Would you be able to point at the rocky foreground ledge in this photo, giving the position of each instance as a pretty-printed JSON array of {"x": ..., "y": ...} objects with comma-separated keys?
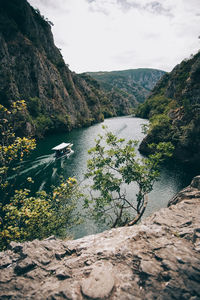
[{"x": 158, "y": 259}]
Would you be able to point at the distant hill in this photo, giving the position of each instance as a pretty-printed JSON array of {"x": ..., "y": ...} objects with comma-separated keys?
[
  {"x": 135, "y": 84},
  {"x": 173, "y": 108}
]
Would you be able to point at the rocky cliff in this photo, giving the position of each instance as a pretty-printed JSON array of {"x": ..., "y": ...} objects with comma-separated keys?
[
  {"x": 32, "y": 68},
  {"x": 158, "y": 259},
  {"x": 174, "y": 111},
  {"x": 133, "y": 84}
]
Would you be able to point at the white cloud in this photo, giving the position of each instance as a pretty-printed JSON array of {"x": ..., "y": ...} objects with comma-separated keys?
[{"x": 122, "y": 34}]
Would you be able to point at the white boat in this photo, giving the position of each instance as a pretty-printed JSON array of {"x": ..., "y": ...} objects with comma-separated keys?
[{"x": 63, "y": 149}]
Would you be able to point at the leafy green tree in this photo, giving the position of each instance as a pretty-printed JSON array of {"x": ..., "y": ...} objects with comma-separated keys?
[
  {"x": 12, "y": 149},
  {"x": 112, "y": 167},
  {"x": 22, "y": 215},
  {"x": 27, "y": 217}
]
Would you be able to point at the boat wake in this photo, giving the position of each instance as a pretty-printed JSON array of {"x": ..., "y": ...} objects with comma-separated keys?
[
  {"x": 123, "y": 127},
  {"x": 41, "y": 163}
]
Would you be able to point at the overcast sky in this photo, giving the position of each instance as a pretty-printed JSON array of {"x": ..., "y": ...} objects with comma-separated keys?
[{"x": 106, "y": 35}]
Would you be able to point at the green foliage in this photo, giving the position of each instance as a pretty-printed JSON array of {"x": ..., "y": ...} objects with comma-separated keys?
[
  {"x": 43, "y": 123},
  {"x": 173, "y": 109},
  {"x": 187, "y": 106},
  {"x": 155, "y": 105},
  {"x": 22, "y": 215},
  {"x": 61, "y": 122},
  {"x": 160, "y": 127},
  {"x": 113, "y": 166},
  {"x": 34, "y": 106},
  {"x": 12, "y": 149},
  {"x": 27, "y": 217}
]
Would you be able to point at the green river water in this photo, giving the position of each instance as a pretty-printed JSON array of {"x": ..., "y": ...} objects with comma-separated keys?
[{"x": 46, "y": 170}]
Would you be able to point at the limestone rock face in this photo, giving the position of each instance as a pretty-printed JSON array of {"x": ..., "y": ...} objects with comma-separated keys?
[
  {"x": 158, "y": 259},
  {"x": 32, "y": 68},
  {"x": 191, "y": 191}
]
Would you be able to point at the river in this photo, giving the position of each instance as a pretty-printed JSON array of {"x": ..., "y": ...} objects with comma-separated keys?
[{"x": 45, "y": 170}]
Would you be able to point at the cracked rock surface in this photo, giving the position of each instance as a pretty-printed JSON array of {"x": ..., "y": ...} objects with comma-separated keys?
[{"x": 158, "y": 259}]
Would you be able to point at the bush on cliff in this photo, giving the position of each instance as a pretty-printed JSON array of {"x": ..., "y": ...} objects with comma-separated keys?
[
  {"x": 176, "y": 99},
  {"x": 113, "y": 166}
]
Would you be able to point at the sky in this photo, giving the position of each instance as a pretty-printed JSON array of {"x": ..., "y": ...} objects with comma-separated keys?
[{"x": 107, "y": 35}]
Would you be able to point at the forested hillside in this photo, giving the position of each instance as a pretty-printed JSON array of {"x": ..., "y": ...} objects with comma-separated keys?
[
  {"x": 133, "y": 84},
  {"x": 174, "y": 111}
]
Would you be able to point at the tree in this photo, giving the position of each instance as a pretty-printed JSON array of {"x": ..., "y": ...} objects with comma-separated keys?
[
  {"x": 24, "y": 216},
  {"x": 114, "y": 165},
  {"x": 29, "y": 217},
  {"x": 12, "y": 149}
]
